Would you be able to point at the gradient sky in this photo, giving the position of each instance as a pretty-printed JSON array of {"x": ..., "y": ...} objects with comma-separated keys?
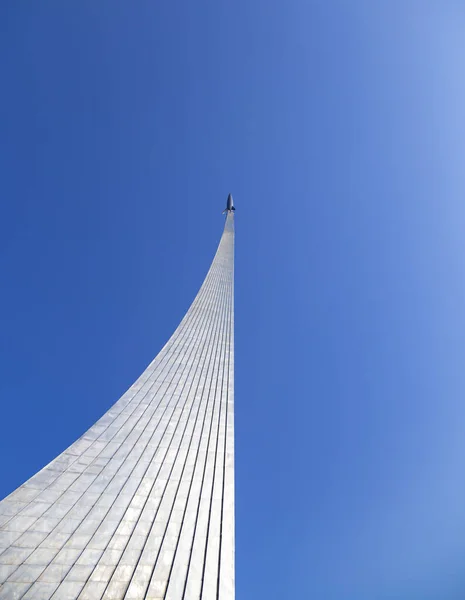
[{"x": 339, "y": 127}]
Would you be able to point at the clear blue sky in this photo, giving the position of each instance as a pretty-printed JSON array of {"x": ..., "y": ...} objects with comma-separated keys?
[{"x": 339, "y": 127}]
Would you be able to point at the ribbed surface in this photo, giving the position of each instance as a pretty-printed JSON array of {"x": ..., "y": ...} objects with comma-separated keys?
[{"x": 142, "y": 505}]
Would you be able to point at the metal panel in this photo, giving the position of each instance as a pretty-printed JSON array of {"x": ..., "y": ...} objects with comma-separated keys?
[{"x": 142, "y": 505}]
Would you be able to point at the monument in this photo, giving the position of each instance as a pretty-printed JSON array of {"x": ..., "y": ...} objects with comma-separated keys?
[{"x": 142, "y": 505}]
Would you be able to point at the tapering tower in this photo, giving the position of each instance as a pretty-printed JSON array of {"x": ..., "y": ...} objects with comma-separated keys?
[{"x": 142, "y": 505}]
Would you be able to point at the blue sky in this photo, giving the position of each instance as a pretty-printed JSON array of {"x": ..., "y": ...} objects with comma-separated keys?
[{"x": 339, "y": 127}]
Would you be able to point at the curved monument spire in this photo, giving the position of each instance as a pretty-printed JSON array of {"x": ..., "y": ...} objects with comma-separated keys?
[{"x": 142, "y": 505}]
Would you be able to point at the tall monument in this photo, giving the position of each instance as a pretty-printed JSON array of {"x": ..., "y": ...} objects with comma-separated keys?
[{"x": 142, "y": 505}]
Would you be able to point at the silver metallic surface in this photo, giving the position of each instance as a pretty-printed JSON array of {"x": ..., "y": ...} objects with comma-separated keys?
[
  {"x": 229, "y": 204},
  {"x": 142, "y": 505}
]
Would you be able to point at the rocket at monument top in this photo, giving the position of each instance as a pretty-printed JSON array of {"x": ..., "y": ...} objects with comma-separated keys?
[{"x": 229, "y": 204}]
